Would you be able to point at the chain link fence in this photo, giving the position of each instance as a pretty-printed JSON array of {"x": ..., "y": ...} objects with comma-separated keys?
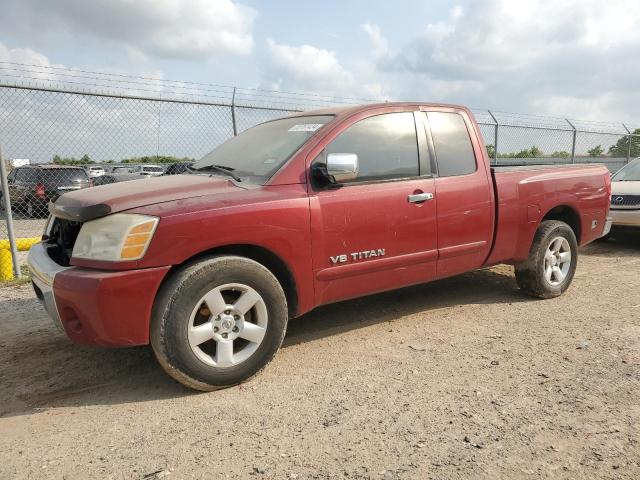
[{"x": 55, "y": 140}]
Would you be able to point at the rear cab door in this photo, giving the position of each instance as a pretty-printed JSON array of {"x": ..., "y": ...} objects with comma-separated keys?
[
  {"x": 377, "y": 232},
  {"x": 463, "y": 189}
]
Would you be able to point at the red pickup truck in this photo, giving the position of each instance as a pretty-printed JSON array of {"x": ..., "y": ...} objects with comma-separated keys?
[{"x": 298, "y": 212}]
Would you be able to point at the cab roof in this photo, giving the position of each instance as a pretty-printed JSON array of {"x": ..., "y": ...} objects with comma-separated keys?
[{"x": 345, "y": 111}]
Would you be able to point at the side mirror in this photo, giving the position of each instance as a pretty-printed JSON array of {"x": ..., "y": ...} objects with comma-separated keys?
[{"x": 342, "y": 166}]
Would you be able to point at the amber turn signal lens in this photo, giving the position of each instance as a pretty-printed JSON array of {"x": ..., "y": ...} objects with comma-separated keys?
[
  {"x": 132, "y": 252},
  {"x": 142, "y": 228},
  {"x": 137, "y": 240}
]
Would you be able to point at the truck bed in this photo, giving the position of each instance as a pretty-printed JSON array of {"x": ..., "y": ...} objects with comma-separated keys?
[
  {"x": 541, "y": 166},
  {"x": 526, "y": 194}
]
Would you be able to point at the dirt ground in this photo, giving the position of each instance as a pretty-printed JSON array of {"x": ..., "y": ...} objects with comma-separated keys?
[{"x": 462, "y": 378}]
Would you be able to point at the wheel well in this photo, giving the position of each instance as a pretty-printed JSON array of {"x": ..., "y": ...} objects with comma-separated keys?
[
  {"x": 567, "y": 215},
  {"x": 267, "y": 258}
]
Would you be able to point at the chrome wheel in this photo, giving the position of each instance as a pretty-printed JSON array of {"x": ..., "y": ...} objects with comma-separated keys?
[
  {"x": 227, "y": 325},
  {"x": 557, "y": 261}
]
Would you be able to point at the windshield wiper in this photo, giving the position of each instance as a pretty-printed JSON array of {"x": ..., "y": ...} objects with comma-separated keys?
[{"x": 217, "y": 168}]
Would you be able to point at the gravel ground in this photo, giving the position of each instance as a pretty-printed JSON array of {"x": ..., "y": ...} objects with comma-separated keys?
[{"x": 461, "y": 378}]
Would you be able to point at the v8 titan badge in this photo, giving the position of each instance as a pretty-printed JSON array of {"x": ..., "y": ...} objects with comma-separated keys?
[{"x": 355, "y": 256}]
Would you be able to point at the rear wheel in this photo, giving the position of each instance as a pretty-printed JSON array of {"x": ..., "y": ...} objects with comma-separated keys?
[
  {"x": 218, "y": 322},
  {"x": 552, "y": 261}
]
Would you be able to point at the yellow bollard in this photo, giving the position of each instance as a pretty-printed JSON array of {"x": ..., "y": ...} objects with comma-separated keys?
[{"x": 6, "y": 264}]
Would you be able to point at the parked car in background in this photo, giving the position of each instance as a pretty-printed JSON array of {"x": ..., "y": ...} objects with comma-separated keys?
[
  {"x": 95, "y": 171},
  {"x": 625, "y": 197},
  {"x": 108, "y": 178},
  {"x": 148, "y": 170},
  {"x": 299, "y": 212},
  {"x": 32, "y": 187},
  {"x": 19, "y": 162},
  {"x": 177, "y": 168},
  {"x": 120, "y": 169}
]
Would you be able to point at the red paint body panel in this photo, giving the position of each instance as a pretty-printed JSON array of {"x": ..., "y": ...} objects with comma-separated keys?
[
  {"x": 474, "y": 220},
  {"x": 107, "y": 308}
]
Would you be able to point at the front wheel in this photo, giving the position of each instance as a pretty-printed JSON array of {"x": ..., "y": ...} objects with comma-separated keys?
[
  {"x": 218, "y": 322},
  {"x": 552, "y": 261}
]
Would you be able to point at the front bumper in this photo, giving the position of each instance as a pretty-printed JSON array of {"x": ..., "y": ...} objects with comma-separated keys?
[
  {"x": 95, "y": 307},
  {"x": 625, "y": 217},
  {"x": 607, "y": 227},
  {"x": 43, "y": 272}
]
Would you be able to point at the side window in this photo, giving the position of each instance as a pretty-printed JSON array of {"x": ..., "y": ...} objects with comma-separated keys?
[
  {"x": 12, "y": 175},
  {"x": 386, "y": 146},
  {"x": 25, "y": 175},
  {"x": 454, "y": 152}
]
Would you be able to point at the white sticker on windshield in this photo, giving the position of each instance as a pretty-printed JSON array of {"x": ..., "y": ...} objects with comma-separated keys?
[{"x": 306, "y": 127}]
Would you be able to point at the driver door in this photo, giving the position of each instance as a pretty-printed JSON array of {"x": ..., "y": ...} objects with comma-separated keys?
[{"x": 377, "y": 231}]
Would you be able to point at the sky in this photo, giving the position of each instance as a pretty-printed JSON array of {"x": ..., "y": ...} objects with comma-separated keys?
[{"x": 576, "y": 58}]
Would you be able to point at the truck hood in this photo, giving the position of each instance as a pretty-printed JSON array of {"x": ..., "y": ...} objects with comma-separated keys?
[{"x": 89, "y": 203}]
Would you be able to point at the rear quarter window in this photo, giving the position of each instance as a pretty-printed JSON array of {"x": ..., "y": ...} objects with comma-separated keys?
[
  {"x": 64, "y": 175},
  {"x": 452, "y": 144}
]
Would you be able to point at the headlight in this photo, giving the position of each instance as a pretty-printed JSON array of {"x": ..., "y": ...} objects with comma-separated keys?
[{"x": 117, "y": 237}]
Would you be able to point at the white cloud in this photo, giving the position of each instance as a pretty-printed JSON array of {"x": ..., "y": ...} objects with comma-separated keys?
[
  {"x": 379, "y": 43},
  {"x": 24, "y": 56},
  {"x": 569, "y": 58},
  {"x": 164, "y": 28},
  {"x": 307, "y": 68}
]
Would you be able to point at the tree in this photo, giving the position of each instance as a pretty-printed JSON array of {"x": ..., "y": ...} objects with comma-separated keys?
[
  {"x": 535, "y": 152},
  {"x": 621, "y": 148},
  {"x": 156, "y": 159},
  {"x": 561, "y": 154},
  {"x": 596, "y": 151},
  {"x": 491, "y": 151}
]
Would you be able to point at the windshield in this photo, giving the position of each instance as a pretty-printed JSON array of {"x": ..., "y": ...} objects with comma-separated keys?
[
  {"x": 260, "y": 151},
  {"x": 628, "y": 173}
]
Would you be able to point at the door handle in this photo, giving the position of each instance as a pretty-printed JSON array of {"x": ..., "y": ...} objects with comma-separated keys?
[{"x": 420, "y": 197}]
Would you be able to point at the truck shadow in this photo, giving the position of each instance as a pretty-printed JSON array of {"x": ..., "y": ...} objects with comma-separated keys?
[
  {"x": 623, "y": 244},
  {"x": 41, "y": 369},
  {"x": 479, "y": 287}
]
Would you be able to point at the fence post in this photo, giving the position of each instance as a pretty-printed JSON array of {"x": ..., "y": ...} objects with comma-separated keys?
[
  {"x": 7, "y": 210},
  {"x": 233, "y": 113},
  {"x": 573, "y": 143},
  {"x": 495, "y": 138},
  {"x": 628, "y": 146}
]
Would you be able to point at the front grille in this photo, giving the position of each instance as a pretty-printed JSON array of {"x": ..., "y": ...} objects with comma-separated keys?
[
  {"x": 625, "y": 200},
  {"x": 61, "y": 239}
]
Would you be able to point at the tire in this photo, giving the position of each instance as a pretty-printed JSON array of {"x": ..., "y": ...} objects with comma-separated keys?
[
  {"x": 203, "y": 298},
  {"x": 29, "y": 209},
  {"x": 533, "y": 276}
]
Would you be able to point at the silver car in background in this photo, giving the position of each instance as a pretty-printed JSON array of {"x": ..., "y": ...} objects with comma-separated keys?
[
  {"x": 625, "y": 197},
  {"x": 148, "y": 170}
]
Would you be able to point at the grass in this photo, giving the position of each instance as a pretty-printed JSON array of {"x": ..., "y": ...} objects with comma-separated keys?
[{"x": 26, "y": 278}]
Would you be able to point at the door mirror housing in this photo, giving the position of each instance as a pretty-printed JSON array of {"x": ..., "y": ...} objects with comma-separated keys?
[{"x": 342, "y": 166}]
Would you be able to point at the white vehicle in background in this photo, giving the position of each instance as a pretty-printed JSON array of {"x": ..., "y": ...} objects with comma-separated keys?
[
  {"x": 19, "y": 162},
  {"x": 95, "y": 171},
  {"x": 625, "y": 197},
  {"x": 148, "y": 170}
]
